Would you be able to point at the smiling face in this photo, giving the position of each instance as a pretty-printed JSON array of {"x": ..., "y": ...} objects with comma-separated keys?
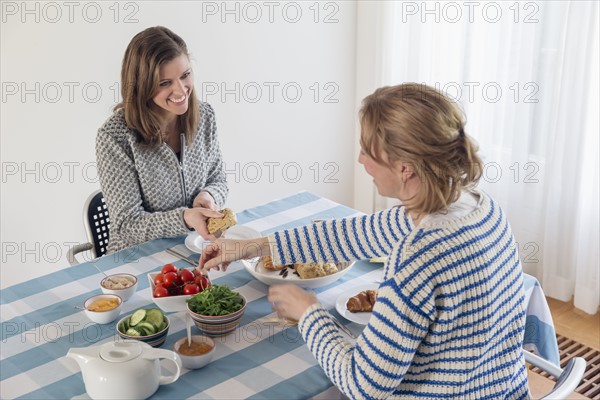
[{"x": 175, "y": 86}]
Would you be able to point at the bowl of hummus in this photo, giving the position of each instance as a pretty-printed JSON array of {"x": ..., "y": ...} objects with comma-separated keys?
[{"x": 123, "y": 285}]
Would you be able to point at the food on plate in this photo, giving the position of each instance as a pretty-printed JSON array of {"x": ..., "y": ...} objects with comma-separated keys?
[
  {"x": 315, "y": 270},
  {"x": 117, "y": 282},
  {"x": 362, "y": 302},
  {"x": 304, "y": 271},
  {"x": 215, "y": 301},
  {"x": 215, "y": 225},
  {"x": 268, "y": 264},
  {"x": 172, "y": 281},
  {"x": 143, "y": 322},
  {"x": 195, "y": 349},
  {"x": 103, "y": 305}
]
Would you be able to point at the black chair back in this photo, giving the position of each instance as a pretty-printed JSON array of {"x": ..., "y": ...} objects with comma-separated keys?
[{"x": 98, "y": 223}]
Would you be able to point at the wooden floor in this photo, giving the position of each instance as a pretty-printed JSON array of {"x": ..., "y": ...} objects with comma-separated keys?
[{"x": 574, "y": 324}]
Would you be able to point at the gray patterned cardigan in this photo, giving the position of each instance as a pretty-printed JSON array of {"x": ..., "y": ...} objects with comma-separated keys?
[{"x": 147, "y": 190}]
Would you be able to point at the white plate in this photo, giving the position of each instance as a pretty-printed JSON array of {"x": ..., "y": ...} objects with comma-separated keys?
[
  {"x": 194, "y": 241},
  {"x": 269, "y": 277},
  {"x": 340, "y": 304}
]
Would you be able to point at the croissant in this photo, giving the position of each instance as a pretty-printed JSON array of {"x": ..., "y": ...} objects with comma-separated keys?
[{"x": 362, "y": 302}]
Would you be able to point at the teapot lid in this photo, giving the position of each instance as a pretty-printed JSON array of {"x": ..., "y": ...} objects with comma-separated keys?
[{"x": 120, "y": 351}]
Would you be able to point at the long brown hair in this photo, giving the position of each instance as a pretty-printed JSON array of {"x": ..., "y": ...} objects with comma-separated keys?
[
  {"x": 419, "y": 125},
  {"x": 140, "y": 79}
]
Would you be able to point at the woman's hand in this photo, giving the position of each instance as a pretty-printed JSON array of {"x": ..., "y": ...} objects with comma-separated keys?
[
  {"x": 204, "y": 200},
  {"x": 290, "y": 301},
  {"x": 196, "y": 218},
  {"x": 223, "y": 252}
]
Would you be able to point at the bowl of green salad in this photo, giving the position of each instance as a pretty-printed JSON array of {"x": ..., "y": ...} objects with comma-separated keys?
[{"x": 217, "y": 310}]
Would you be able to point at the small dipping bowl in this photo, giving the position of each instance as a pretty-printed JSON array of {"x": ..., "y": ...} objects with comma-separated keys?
[
  {"x": 102, "y": 316},
  {"x": 195, "y": 361},
  {"x": 117, "y": 284}
]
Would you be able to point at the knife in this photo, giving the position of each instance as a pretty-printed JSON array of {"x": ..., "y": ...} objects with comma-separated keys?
[{"x": 342, "y": 327}]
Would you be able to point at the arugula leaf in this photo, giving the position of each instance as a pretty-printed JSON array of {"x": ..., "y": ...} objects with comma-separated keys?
[{"x": 216, "y": 300}]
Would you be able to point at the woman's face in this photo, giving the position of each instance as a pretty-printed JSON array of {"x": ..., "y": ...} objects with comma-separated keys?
[
  {"x": 387, "y": 180},
  {"x": 175, "y": 85}
]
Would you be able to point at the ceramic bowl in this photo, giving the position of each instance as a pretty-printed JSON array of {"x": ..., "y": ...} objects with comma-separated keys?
[
  {"x": 170, "y": 303},
  {"x": 155, "y": 340},
  {"x": 199, "y": 361},
  {"x": 218, "y": 325},
  {"x": 103, "y": 317},
  {"x": 124, "y": 293}
]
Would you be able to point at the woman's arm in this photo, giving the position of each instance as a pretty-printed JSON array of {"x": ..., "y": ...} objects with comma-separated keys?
[
  {"x": 377, "y": 364},
  {"x": 347, "y": 239}
]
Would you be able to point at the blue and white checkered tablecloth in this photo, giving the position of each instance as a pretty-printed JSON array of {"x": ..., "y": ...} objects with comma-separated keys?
[{"x": 261, "y": 359}]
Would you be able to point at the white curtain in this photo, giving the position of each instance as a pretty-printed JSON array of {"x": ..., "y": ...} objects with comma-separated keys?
[{"x": 526, "y": 75}]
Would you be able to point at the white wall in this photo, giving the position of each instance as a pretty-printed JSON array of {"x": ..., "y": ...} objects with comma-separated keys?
[{"x": 60, "y": 70}]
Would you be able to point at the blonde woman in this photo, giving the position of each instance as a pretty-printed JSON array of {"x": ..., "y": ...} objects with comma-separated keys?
[
  {"x": 158, "y": 155},
  {"x": 449, "y": 319}
]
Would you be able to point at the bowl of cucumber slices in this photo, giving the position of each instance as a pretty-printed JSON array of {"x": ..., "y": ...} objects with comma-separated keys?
[{"x": 148, "y": 325}]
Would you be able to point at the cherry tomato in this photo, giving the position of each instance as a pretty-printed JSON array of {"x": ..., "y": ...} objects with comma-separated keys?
[
  {"x": 191, "y": 288},
  {"x": 169, "y": 278},
  {"x": 161, "y": 291},
  {"x": 168, "y": 268},
  {"x": 186, "y": 275},
  {"x": 158, "y": 279},
  {"x": 202, "y": 282}
]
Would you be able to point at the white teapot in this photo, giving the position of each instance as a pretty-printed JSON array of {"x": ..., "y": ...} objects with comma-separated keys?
[{"x": 123, "y": 370}]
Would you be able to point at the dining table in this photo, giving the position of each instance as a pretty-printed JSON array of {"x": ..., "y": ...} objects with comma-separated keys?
[{"x": 265, "y": 357}]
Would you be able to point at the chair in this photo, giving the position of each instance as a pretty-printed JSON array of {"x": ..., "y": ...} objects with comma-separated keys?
[
  {"x": 97, "y": 224},
  {"x": 567, "y": 379}
]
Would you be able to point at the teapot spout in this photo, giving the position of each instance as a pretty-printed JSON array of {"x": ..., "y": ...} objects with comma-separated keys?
[{"x": 83, "y": 355}]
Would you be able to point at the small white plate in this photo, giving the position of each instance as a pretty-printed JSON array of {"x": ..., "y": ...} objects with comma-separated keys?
[
  {"x": 340, "y": 304},
  {"x": 194, "y": 241}
]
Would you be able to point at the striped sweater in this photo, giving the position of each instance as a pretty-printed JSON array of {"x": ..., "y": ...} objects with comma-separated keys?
[{"x": 449, "y": 318}]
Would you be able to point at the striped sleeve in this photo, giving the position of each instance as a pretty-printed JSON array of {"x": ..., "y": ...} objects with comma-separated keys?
[
  {"x": 347, "y": 239},
  {"x": 375, "y": 366}
]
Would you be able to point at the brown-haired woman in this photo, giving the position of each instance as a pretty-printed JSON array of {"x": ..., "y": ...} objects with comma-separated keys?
[
  {"x": 449, "y": 318},
  {"x": 159, "y": 160}
]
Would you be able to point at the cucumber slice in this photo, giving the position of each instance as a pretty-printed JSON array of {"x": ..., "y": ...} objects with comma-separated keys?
[
  {"x": 155, "y": 317},
  {"x": 133, "y": 332},
  {"x": 137, "y": 317},
  {"x": 147, "y": 327},
  {"x": 162, "y": 327}
]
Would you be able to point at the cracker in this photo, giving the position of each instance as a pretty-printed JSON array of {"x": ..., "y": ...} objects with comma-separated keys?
[{"x": 215, "y": 225}]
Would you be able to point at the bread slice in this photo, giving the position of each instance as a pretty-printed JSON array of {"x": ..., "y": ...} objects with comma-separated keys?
[
  {"x": 315, "y": 270},
  {"x": 215, "y": 225},
  {"x": 268, "y": 264}
]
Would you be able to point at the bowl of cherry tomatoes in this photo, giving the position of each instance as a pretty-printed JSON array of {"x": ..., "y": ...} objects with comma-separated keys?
[{"x": 171, "y": 287}]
